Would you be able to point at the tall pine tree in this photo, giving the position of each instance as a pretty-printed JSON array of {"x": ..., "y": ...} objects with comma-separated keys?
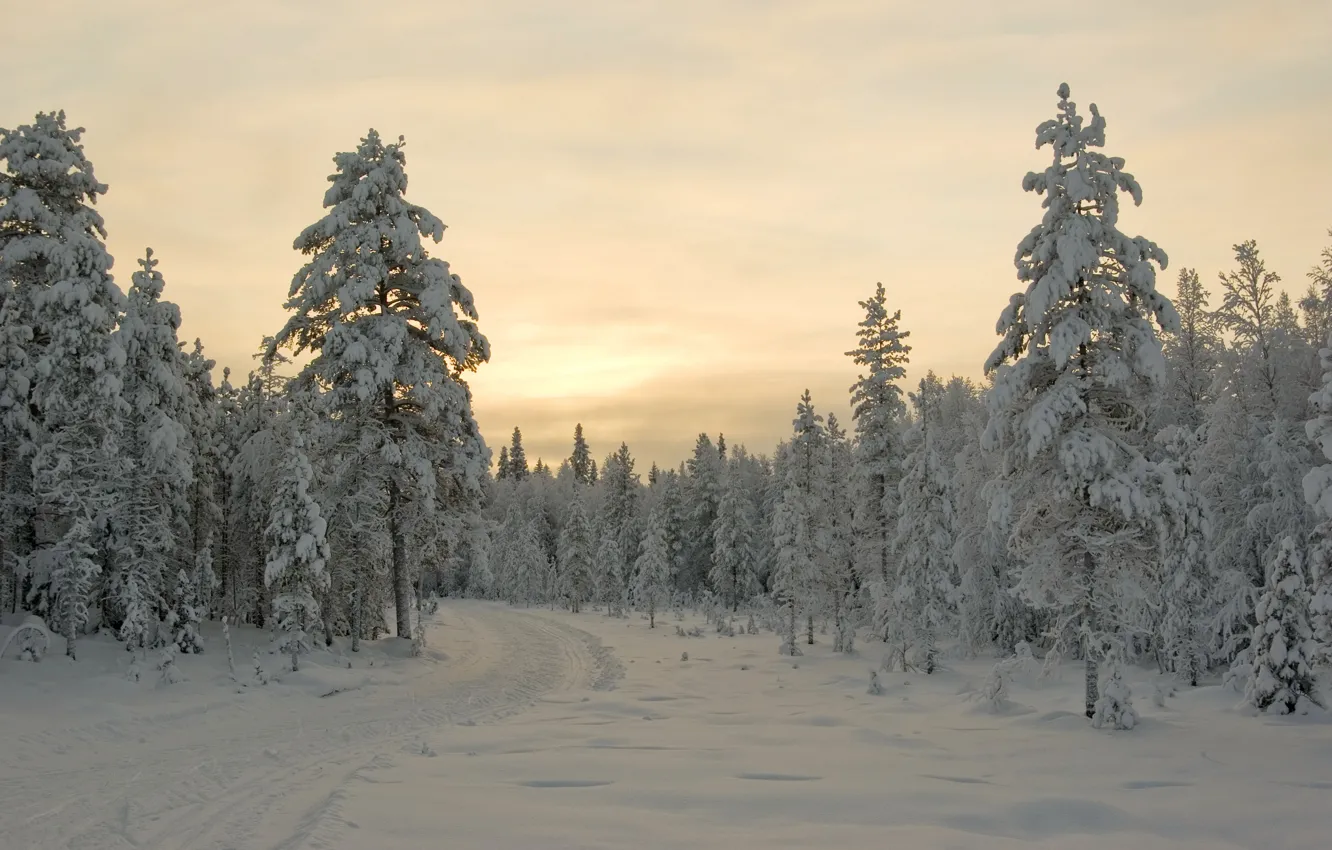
[
  {"x": 581, "y": 459},
  {"x": 155, "y": 506},
  {"x": 878, "y": 407},
  {"x": 393, "y": 331},
  {"x": 61, "y": 396},
  {"x": 1073, "y": 376}
]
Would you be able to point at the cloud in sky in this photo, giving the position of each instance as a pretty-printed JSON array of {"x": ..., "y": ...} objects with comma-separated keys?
[{"x": 668, "y": 212}]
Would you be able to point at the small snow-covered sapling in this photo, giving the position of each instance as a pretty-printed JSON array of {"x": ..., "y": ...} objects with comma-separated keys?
[
  {"x": 875, "y": 686},
  {"x": 260, "y": 674},
  {"x": 1161, "y": 691},
  {"x": 226, "y": 638},
  {"x": 135, "y": 671},
  {"x": 994, "y": 695},
  {"x": 1114, "y": 707},
  {"x": 418, "y": 639},
  {"x": 167, "y": 665}
]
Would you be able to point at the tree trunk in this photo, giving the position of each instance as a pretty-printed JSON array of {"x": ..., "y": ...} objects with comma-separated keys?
[
  {"x": 1089, "y": 651},
  {"x": 356, "y": 615},
  {"x": 402, "y": 585},
  {"x": 880, "y": 493},
  {"x": 69, "y": 630},
  {"x": 324, "y": 615},
  {"x": 5, "y": 560},
  {"x": 809, "y": 631}
]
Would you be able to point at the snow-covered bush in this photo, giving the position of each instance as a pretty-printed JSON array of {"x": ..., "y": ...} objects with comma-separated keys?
[
  {"x": 994, "y": 693},
  {"x": 1114, "y": 707},
  {"x": 1280, "y": 661},
  {"x": 260, "y": 674},
  {"x": 185, "y": 617},
  {"x": 167, "y": 666}
]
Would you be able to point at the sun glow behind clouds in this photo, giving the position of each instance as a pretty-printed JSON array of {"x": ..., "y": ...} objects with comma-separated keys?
[{"x": 615, "y": 360}]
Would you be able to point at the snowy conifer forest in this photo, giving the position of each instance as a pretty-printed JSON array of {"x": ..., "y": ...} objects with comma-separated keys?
[{"x": 1136, "y": 484}]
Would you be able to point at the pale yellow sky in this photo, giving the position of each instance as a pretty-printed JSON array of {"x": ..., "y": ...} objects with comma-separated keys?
[{"x": 667, "y": 211}]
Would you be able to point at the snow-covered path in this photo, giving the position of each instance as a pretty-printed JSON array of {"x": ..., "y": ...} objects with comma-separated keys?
[
  {"x": 210, "y": 768},
  {"x": 705, "y": 741}
]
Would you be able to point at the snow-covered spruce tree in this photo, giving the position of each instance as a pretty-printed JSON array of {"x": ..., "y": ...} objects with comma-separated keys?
[
  {"x": 153, "y": 506},
  {"x": 794, "y": 558},
  {"x": 353, "y": 487},
  {"x": 1277, "y": 507},
  {"x": 185, "y": 615},
  {"x": 670, "y": 494},
  {"x": 21, "y": 279},
  {"x": 924, "y": 539},
  {"x": 809, "y": 439},
  {"x": 518, "y": 470},
  {"x": 1073, "y": 375},
  {"x": 1186, "y": 568},
  {"x": 295, "y": 571},
  {"x": 733, "y": 576},
  {"x": 537, "y": 495},
  {"x": 204, "y": 424},
  {"x": 1248, "y": 309},
  {"x": 1318, "y": 494},
  {"x": 224, "y": 448},
  {"x": 620, "y": 491},
  {"x": 575, "y": 557},
  {"x": 989, "y": 613},
  {"x": 259, "y": 437},
  {"x": 481, "y": 582},
  {"x": 1232, "y": 441},
  {"x": 1191, "y": 355},
  {"x": 611, "y": 583},
  {"x": 393, "y": 331},
  {"x": 530, "y": 566},
  {"x": 878, "y": 407},
  {"x": 581, "y": 459},
  {"x": 653, "y": 585},
  {"x": 1281, "y": 654},
  {"x": 1320, "y": 289},
  {"x": 505, "y": 553},
  {"x": 839, "y": 569},
  {"x": 806, "y": 458},
  {"x": 61, "y": 396},
  {"x": 702, "y": 500}
]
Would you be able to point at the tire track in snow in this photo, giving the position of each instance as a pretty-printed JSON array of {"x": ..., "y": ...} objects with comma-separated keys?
[{"x": 240, "y": 778}]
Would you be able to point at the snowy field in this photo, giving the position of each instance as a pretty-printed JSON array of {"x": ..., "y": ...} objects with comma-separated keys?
[{"x": 533, "y": 729}]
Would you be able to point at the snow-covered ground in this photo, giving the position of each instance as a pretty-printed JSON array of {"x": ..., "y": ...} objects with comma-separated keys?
[
  {"x": 92, "y": 761},
  {"x": 536, "y": 729}
]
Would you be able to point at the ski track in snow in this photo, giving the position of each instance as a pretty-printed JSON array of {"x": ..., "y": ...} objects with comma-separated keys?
[{"x": 233, "y": 777}]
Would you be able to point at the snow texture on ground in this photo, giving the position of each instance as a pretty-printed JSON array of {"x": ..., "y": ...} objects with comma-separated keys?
[{"x": 536, "y": 729}]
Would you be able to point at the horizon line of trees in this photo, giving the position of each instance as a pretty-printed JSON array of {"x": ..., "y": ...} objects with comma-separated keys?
[{"x": 1139, "y": 478}]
